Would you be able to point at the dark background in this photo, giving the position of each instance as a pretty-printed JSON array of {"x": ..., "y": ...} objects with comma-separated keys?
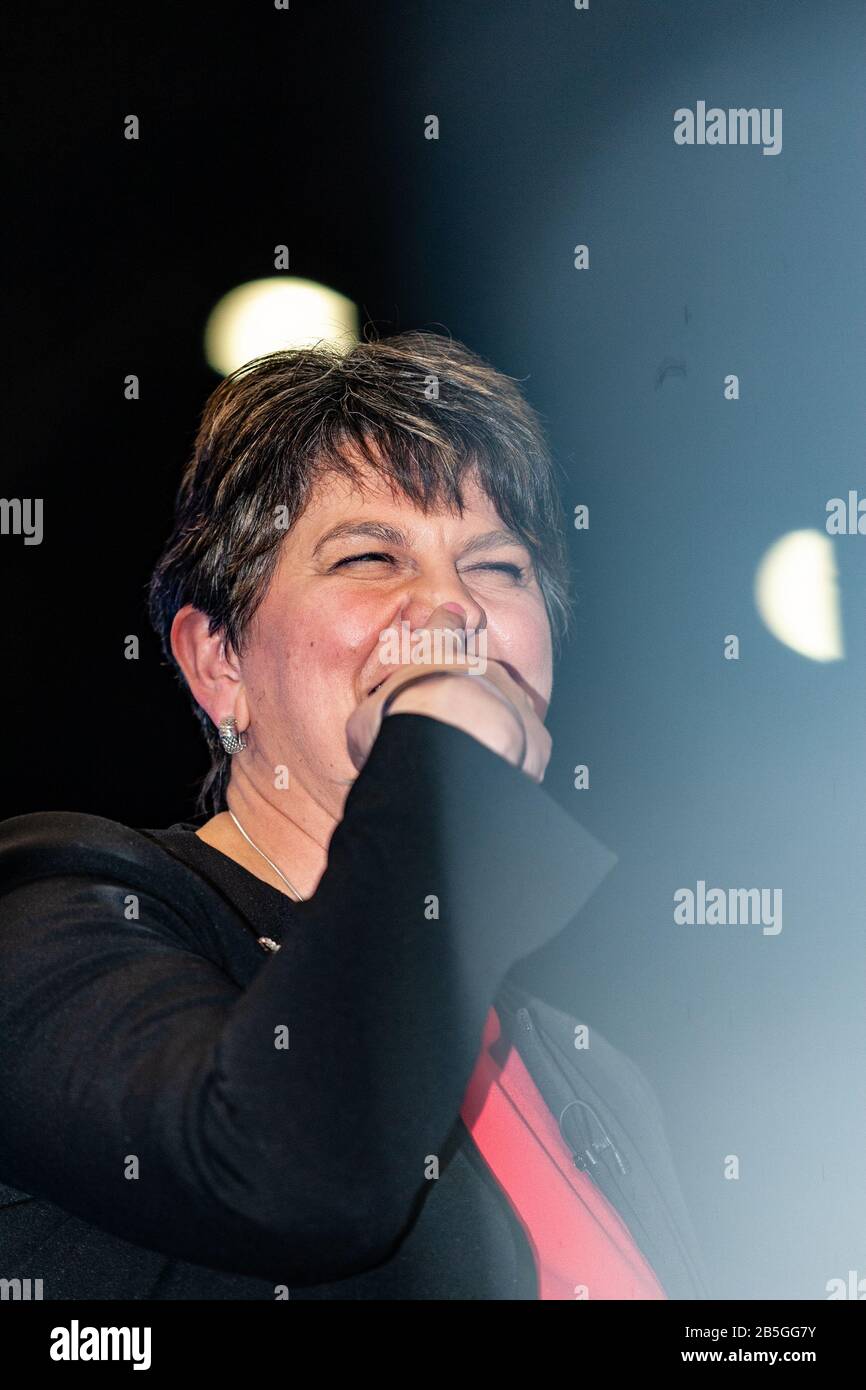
[{"x": 306, "y": 127}]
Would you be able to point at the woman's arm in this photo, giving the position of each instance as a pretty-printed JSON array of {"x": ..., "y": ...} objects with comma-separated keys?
[{"x": 143, "y": 1090}]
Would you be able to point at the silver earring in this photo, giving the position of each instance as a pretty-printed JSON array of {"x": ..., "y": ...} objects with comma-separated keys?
[{"x": 231, "y": 740}]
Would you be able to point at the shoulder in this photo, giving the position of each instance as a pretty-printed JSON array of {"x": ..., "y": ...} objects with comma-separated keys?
[
  {"x": 73, "y": 841},
  {"x": 90, "y": 876},
  {"x": 43, "y": 848},
  {"x": 41, "y": 829}
]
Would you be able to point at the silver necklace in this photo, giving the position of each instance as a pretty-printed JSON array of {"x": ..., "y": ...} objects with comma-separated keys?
[{"x": 266, "y": 941}]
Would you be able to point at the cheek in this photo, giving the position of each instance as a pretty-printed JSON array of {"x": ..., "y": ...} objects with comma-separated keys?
[
  {"x": 523, "y": 637},
  {"x": 328, "y": 640}
]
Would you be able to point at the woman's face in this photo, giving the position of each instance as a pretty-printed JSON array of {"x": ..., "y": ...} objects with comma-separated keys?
[{"x": 355, "y": 564}]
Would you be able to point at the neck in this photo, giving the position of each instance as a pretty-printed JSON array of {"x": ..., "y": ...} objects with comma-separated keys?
[{"x": 291, "y": 828}]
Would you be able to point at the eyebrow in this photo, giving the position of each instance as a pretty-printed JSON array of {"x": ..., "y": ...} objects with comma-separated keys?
[
  {"x": 391, "y": 535},
  {"x": 493, "y": 540},
  {"x": 375, "y": 530}
]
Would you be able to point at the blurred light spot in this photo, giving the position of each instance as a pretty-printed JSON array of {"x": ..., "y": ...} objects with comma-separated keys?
[
  {"x": 266, "y": 315},
  {"x": 797, "y": 595}
]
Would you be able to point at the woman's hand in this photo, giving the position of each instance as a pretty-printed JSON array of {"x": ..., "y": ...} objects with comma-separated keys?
[{"x": 464, "y": 701}]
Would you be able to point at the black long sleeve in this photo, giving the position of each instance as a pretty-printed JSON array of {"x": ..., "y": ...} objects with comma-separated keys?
[{"x": 126, "y": 1047}]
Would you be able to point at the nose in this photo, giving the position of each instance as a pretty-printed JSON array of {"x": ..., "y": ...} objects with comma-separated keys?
[{"x": 426, "y": 598}]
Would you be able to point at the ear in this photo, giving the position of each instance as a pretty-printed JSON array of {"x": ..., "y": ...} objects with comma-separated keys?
[{"x": 210, "y": 667}]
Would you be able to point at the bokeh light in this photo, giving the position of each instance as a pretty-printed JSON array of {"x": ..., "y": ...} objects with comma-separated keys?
[
  {"x": 280, "y": 312},
  {"x": 797, "y": 595}
]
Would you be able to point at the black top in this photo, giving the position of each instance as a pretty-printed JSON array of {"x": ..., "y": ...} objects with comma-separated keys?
[{"x": 186, "y": 1115}]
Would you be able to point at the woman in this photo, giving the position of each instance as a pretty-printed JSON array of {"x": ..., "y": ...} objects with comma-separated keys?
[{"x": 272, "y": 1052}]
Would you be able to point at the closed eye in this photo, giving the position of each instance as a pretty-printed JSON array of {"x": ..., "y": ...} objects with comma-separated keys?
[
  {"x": 514, "y": 570},
  {"x": 368, "y": 555},
  {"x": 517, "y": 572}
]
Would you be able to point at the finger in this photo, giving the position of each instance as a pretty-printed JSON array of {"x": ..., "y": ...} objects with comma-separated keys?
[
  {"x": 538, "y": 754},
  {"x": 537, "y": 700},
  {"x": 524, "y": 701}
]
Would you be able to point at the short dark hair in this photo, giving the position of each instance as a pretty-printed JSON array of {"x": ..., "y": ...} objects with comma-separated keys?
[{"x": 431, "y": 409}]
